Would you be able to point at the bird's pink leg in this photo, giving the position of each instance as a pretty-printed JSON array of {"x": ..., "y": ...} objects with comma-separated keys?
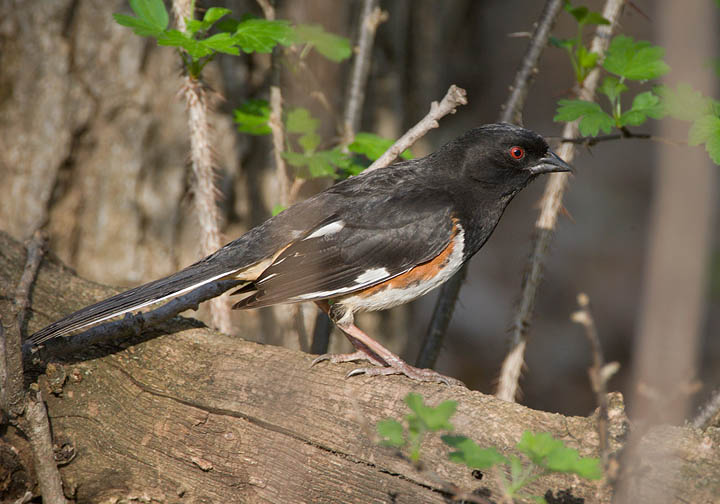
[{"x": 394, "y": 364}]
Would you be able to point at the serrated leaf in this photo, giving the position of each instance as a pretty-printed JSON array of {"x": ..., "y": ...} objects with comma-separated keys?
[
  {"x": 227, "y": 25},
  {"x": 707, "y": 130},
  {"x": 309, "y": 142},
  {"x": 214, "y": 14},
  {"x": 319, "y": 166},
  {"x": 261, "y": 35},
  {"x": 434, "y": 418},
  {"x": 277, "y": 209},
  {"x": 295, "y": 159},
  {"x": 152, "y": 12},
  {"x": 612, "y": 88},
  {"x": 221, "y": 42},
  {"x": 333, "y": 47},
  {"x": 592, "y": 117},
  {"x": 299, "y": 120},
  {"x": 194, "y": 48},
  {"x": 252, "y": 117},
  {"x": 469, "y": 453},
  {"x": 644, "y": 105},
  {"x": 684, "y": 102},
  {"x": 538, "y": 446},
  {"x": 392, "y": 433},
  {"x": 139, "y": 26},
  {"x": 552, "y": 455},
  {"x": 635, "y": 60},
  {"x": 373, "y": 146}
]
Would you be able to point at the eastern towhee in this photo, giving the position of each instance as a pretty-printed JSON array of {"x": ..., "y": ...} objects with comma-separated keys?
[{"x": 370, "y": 242}]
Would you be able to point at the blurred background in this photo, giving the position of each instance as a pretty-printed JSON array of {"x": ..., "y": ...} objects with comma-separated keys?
[{"x": 94, "y": 138}]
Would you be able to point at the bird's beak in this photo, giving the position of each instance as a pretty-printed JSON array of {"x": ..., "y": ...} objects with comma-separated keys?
[{"x": 549, "y": 164}]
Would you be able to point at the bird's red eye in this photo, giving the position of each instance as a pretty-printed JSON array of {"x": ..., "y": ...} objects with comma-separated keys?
[{"x": 517, "y": 152}]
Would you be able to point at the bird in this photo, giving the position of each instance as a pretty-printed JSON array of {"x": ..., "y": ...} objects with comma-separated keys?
[{"x": 369, "y": 242}]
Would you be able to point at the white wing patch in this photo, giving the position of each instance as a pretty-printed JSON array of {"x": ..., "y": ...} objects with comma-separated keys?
[
  {"x": 327, "y": 229},
  {"x": 372, "y": 275}
]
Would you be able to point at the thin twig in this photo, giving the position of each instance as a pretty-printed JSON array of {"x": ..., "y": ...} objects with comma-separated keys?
[
  {"x": 599, "y": 372},
  {"x": 454, "y": 97},
  {"x": 14, "y": 377},
  {"x": 589, "y": 141},
  {"x": 38, "y": 432},
  {"x": 370, "y": 18},
  {"x": 26, "y": 411},
  {"x": 511, "y": 111},
  {"x": 550, "y": 207},
  {"x": 196, "y": 101}
]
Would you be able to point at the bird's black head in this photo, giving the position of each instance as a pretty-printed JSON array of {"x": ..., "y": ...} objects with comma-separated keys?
[{"x": 505, "y": 156}]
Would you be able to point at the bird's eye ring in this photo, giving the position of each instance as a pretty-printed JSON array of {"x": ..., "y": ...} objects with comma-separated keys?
[{"x": 517, "y": 152}]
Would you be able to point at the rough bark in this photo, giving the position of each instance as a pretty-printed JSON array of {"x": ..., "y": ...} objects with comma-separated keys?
[{"x": 197, "y": 416}]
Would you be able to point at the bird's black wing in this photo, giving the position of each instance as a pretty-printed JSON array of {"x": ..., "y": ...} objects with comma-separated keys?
[{"x": 361, "y": 245}]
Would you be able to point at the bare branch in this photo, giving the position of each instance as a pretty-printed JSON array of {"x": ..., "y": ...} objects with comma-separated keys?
[
  {"x": 28, "y": 412},
  {"x": 14, "y": 385},
  {"x": 267, "y": 8},
  {"x": 454, "y": 97},
  {"x": 370, "y": 19},
  {"x": 38, "y": 432},
  {"x": 600, "y": 373},
  {"x": 196, "y": 102},
  {"x": 550, "y": 206},
  {"x": 511, "y": 111},
  {"x": 278, "y": 137},
  {"x": 589, "y": 141}
]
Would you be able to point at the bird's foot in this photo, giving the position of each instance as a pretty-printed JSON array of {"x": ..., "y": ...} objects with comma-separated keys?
[
  {"x": 349, "y": 357},
  {"x": 403, "y": 368}
]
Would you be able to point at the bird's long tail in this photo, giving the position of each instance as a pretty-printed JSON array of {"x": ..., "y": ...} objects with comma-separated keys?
[{"x": 193, "y": 276}]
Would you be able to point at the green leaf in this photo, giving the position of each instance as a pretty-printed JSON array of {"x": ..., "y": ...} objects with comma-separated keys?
[
  {"x": 319, "y": 166},
  {"x": 213, "y": 15},
  {"x": 373, "y": 146},
  {"x": 578, "y": 13},
  {"x": 309, "y": 142},
  {"x": 434, "y": 418},
  {"x": 194, "y": 48},
  {"x": 277, "y": 209},
  {"x": 538, "y": 446},
  {"x": 684, "y": 102},
  {"x": 295, "y": 159},
  {"x": 707, "y": 130},
  {"x": 227, "y": 25},
  {"x": 392, "y": 433},
  {"x": 644, "y": 105},
  {"x": 612, "y": 88},
  {"x": 586, "y": 58},
  {"x": 635, "y": 60},
  {"x": 221, "y": 42},
  {"x": 261, "y": 35},
  {"x": 152, "y": 11},
  {"x": 333, "y": 47},
  {"x": 299, "y": 120},
  {"x": 469, "y": 453},
  {"x": 593, "y": 118},
  {"x": 552, "y": 455},
  {"x": 562, "y": 43},
  {"x": 595, "y": 18},
  {"x": 252, "y": 117}
]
